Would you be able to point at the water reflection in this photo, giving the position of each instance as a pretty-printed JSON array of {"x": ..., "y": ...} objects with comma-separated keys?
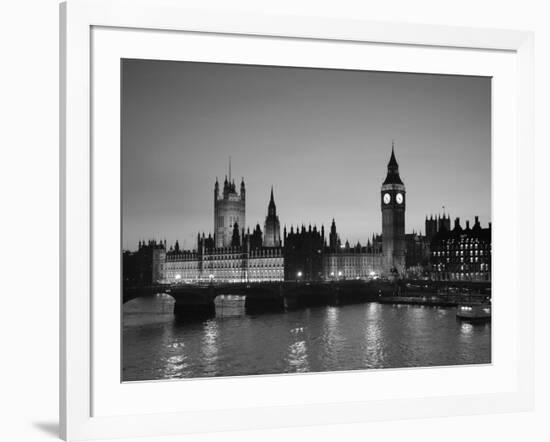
[
  {"x": 176, "y": 366},
  {"x": 373, "y": 349},
  {"x": 210, "y": 347},
  {"x": 331, "y": 338},
  {"x": 466, "y": 329},
  {"x": 176, "y": 363},
  {"x": 348, "y": 337},
  {"x": 297, "y": 357}
]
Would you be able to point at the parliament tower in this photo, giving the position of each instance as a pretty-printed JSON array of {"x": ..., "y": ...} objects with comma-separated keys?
[
  {"x": 229, "y": 209},
  {"x": 272, "y": 228},
  {"x": 392, "y": 197}
]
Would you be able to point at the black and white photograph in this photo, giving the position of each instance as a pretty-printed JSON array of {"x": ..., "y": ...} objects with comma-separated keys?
[
  {"x": 280, "y": 219},
  {"x": 243, "y": 221}
]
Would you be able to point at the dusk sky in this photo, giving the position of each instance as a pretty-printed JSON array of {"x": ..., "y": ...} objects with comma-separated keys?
[{"x": 321, "y": 137}]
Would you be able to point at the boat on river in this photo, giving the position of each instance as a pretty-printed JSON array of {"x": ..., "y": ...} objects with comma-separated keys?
[{"x": 474, "y": 311}]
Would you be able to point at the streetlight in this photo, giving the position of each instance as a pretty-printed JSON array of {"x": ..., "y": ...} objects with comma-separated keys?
[{"x": 299, "y": 274}]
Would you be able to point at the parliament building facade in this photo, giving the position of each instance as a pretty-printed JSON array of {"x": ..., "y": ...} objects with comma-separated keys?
[{"x": 233, "y": 253}]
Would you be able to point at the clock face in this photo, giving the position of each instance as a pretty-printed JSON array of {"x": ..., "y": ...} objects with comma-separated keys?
[
  {"x": 387, "y": 198},
  {"x": 399, "y": 198}
]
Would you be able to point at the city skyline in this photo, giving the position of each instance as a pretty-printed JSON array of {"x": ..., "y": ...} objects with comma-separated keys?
[{"x": 338, "y": 168}]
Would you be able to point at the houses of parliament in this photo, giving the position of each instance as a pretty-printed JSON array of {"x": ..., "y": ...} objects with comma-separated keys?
[{"x": 234, "y": 253}]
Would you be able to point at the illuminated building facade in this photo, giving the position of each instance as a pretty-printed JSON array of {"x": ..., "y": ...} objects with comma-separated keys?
[
  {"x": 461, "y": 254},
  {"x": 233, "y": 254},
  {"x": 225, "y": 264},
  {"x": 248, "y": 257},
  {"x": 345, "y": 262},
  {"x": 229, "y": 210}
]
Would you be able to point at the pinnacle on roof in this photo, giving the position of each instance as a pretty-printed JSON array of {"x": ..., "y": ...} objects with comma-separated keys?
[
  {"x": 393, "y": 169},
  {"x": 393, "y": 162}
]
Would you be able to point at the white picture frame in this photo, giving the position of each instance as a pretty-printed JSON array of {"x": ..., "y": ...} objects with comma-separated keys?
[{"x": 80, "y": 379}]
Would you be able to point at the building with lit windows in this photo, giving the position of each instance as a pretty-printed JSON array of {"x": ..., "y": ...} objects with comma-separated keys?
[
  {"x": 229, "y": 210},
  {"x": 230, "y": 264},
  {"x": 233, "y": 254},
  {"x": 341, "y": 261},
  {"x": 247, "y": 258},
  {"x": 180, "y": 266},
  {"x": 461, "y": 254},
  {"x": 265, "y": 264},
  {"x": 225, "y": 264}
]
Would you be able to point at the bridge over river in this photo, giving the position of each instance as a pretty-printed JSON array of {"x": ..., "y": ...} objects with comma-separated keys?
[{"x": 198, "y": 300}]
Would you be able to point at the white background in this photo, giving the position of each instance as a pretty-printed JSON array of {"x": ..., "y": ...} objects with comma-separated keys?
[{"x": 29, "y": 183}]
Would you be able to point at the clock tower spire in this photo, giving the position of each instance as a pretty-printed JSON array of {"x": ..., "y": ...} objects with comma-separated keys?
[{"x": 393, "y": 219}]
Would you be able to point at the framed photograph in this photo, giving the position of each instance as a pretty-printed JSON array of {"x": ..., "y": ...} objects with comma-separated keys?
[{"x": 298, "y": 220}]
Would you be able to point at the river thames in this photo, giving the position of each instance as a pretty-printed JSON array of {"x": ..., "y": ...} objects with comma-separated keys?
[{"x": 351, "y": 337}]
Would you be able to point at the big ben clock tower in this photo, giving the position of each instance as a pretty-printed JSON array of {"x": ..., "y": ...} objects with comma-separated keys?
[{"x": 392, "y": 198}]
